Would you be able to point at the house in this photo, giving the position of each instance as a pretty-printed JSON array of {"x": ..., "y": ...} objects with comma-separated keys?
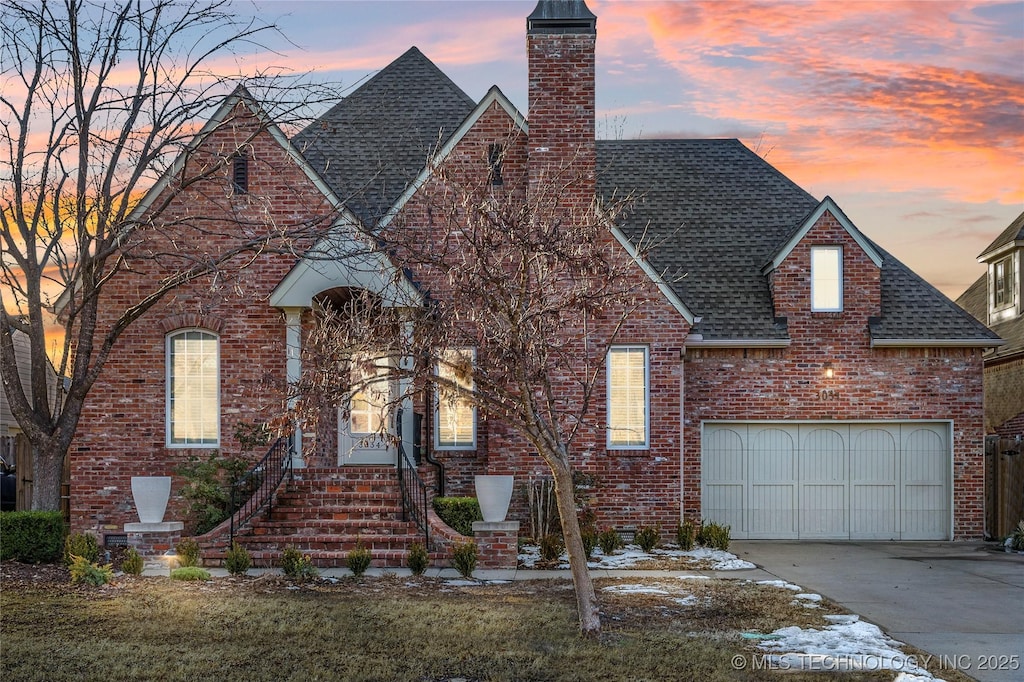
[
  {"x": 15, "y": 450},
  {"x": 995, "y": 299},
  {"x": 792, "y": 380}
]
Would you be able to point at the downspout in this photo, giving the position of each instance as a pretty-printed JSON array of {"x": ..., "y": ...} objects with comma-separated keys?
[{"x": 428, "y": 432}]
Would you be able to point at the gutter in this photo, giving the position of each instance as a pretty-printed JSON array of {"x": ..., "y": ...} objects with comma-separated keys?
[{"x": 937, "y": 343}]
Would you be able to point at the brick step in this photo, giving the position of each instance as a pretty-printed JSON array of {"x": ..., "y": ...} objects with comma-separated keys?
[
  {"x": 321, "y": 477},
  {"x": 346, "y": 472},
  {"x": 306, "y": 527},
  {"x": 340, "y": 487},
  {"x": 380, "y": 558},
  {"x": 328, "y": 543},
  {"x": 313, "y": 498},
  {"x": 334, "y": 513}
]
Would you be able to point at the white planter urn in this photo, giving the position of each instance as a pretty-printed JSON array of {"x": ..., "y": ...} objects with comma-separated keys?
[
  {"x": 151, "y": 494},
  {"x": 494, "y": 493}
]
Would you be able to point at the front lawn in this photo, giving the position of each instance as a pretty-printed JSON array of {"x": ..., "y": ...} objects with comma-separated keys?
[{"x": 389, "y": 628}]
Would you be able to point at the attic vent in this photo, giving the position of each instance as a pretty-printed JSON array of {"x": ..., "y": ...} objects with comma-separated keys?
[
  {"x": 494, "y": 154},
  {"x": 240, "y": 173}
]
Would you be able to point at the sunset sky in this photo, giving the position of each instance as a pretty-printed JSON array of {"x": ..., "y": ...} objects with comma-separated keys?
[{"x": 909, "y": 114}]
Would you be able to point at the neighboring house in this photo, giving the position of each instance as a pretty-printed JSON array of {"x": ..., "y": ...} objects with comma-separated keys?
[
  {"x": 996, "y": 300},
  {"x": 795, "y": 380},
  {"x": 15, "y": 450}
]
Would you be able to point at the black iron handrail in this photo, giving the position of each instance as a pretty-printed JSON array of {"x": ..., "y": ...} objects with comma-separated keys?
[
  {"x": 414, "y": 490},
  {"x": 255, "y": 489}
]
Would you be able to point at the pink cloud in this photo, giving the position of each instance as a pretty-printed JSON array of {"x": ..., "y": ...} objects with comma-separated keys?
[{"x": 879, "y": 95}]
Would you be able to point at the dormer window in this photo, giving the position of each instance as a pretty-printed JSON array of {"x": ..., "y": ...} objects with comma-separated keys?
[
  {"x": 827, "y": 279},
  {"x": 240, "y": 173},
  {"x": 1002, "y": 284},
  {"x": 1003, "y": 289}
]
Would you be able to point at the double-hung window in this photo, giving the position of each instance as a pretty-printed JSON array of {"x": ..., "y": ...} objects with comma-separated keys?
[
  {"x": 629, "y": 389},
  {"x": 1002, "y": 284},
  {"x": 193, "y": 389},
  {"x": 455, "y": 416},
  {"x": 827, "y": 279}
]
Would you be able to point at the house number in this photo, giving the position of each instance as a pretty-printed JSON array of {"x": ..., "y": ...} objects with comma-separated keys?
[{"x": 828, "y": 394}]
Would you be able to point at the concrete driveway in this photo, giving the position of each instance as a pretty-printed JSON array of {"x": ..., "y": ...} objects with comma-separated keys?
[{"x": 959, "y": 601}]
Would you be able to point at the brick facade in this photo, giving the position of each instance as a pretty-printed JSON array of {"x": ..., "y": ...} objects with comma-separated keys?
[
  {"x": 1004, "y": 396},
  {"x": 868, "y": 383},
  {"x": 122, "y": 429}
]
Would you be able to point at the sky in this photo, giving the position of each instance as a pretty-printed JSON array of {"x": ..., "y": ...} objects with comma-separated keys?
[{"x": 910, "y": 115}]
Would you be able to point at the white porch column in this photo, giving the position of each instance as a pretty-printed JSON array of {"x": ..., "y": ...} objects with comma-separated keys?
[{"x": 293, "y": 345}]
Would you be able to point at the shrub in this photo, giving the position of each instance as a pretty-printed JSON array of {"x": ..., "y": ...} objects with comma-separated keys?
[
  {"x": 237, "y": 560},
  {"x": 358, "y": 560},
  {"x": 190, "y": 573},
  {"x": 551, "y": 547},
  {"x": 82, "y": 545},
  {"x": 32, "y": 537},
  {"x": 714, "y": 535},
  {"x": 85, "y": 571},
  {"x": 459, "y": 512},
  {"x": 648, "y": 537},
  {"x": 132, "y": 564},
  {"x": 297, "y": 565},
  {"x": 589, "y": 541},
  {"x": 208, "y": 488},
  {"x": 464, "y": 557},
  {"x": 686, "y": 534},
  {"x": 609, "y": 541},
  {"x": 187, "y": 550},
  {"x": 1017, "y": 538},
  {"x": 418, "y": 559}
]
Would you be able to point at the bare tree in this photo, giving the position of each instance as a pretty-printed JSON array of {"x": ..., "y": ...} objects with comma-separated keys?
[
  {"x": 532, "y": 292},
  {"x": 99, "y": 103}
]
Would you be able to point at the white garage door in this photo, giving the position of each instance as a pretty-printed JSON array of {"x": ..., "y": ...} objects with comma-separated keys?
[{"x": 828, "y": 480}]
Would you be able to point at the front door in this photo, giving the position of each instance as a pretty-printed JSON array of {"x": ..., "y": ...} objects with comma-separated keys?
[{"x": 364, "y": 433}]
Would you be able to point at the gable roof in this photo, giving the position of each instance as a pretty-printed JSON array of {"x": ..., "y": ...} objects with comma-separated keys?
[
  {"x": 717, "y": 212},
  {"x": 713, "y": 212},
  {"x": 373, "y": 143},
  {"x": 914, "y": 313},
  {"x": 1011, "y": 237},
  {"x": 976, "y": 302},
  {"x": 493, "y": 97},
  {"x": 827, "y": 205},
  {"x": 223, "y": 114}
]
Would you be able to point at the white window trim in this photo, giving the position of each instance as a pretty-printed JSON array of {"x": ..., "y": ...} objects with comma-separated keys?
[
  {"x": 646, "y": 445},
  {"x": 438, "y": 445},
  {"x": 839, "y": 307},
  {"x": 1008, "y": 308},
  {"x": 168, "y": 441}
]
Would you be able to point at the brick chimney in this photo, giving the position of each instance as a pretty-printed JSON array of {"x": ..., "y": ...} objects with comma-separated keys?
[{"x": 560, "y": 39}]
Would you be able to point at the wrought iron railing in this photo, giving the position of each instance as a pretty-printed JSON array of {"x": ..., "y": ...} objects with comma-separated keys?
[
  {"x": 414, "y": 490},
  {"x": 255, "y": 489}
]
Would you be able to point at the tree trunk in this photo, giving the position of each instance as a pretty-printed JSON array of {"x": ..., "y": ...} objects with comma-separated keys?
[
  {"x": 586, "y": 598},
  {"x": 47, "y": 472}
]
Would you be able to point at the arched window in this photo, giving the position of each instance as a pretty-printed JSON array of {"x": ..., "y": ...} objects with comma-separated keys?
[{"x": 193, "y": 388}]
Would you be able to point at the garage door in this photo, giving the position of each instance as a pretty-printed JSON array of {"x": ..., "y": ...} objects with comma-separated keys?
[{"x": 828, "y": 480}]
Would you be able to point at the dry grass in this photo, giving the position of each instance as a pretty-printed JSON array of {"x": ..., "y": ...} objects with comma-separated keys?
[{"x": 385, "y": 629}]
